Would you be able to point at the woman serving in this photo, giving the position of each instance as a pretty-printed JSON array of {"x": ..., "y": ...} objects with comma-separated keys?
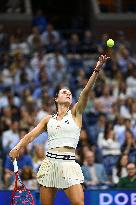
[{"x": 59, "y": 169}]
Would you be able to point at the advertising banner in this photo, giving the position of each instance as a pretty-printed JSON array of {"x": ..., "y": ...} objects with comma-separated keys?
[{"x": 92, "y": 197}]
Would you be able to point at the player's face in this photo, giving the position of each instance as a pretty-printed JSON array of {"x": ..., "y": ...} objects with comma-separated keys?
[{"x": 64, "y": 96}]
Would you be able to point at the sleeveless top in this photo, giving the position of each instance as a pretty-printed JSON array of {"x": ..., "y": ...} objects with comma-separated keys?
[{"x": 63, "y": 132}]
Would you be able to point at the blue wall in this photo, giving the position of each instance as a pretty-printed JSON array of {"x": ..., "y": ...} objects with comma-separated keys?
[{"x": 107, "y": 197}]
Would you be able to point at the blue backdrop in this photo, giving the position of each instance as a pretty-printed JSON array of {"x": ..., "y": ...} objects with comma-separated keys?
[{"x": 107, "y": 197}]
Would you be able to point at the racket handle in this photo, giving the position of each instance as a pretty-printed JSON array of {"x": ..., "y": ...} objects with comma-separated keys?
[{"x": 15, "y": 166}]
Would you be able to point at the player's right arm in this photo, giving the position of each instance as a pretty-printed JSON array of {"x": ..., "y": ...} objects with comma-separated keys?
[{"x": 29, "y": 137}]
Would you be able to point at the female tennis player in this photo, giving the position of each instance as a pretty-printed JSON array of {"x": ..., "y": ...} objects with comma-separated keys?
[{"x": 59, "y": 169}]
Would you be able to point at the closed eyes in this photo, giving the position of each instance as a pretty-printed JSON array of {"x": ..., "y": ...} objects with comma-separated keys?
[{"x": 65, "y": 92}]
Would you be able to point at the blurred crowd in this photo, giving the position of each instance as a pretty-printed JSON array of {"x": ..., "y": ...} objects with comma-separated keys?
[{"x": 33, "y": 66}]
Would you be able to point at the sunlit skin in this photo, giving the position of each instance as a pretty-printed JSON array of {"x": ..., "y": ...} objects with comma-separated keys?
[{"x": 64, "y": 97}]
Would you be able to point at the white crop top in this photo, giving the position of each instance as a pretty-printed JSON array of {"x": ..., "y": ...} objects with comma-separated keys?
[{"x": 63, "y": 132}]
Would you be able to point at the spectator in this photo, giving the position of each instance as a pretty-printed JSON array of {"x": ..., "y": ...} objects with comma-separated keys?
[
  {"x": 120, "y": 89},
  {"x": 97, "y": 129},
  {"x": 121, "y": 40},
  {"x": 133, "y": 117},
  {"x": 129, "y": 146},
  {"x": 40, "y": 21},
  {"x": 39, "y": 155},
  {"x": 74, "y": 44},
  {"x": 6, "y": 118},
  {"x": 128, "y": 182},
  {"x": 123, "y": 58},
  {"x": 119, "y": 129},
  {"x": 10, "y": 137},
  {"x": 42, "y": 112},
  {"x": 120, "y": 170},
  {"x": 131, "y": 83},
  {"x": 102, "y": 42},
  {"x": 110, "y": 148},
  {"x": 106, "y": 99},
  {"x": 6, "y": 78},
  {"x": 50, "y": 38},
  {"x": 56, "y": 68},
  {"x": 34, "y": 40},
  {"x": 3, "y": 100},
  {"x": 94, "y": 174},
  {"x": 3, "y": 38},
  {"x": 124, "y": 110},
  {"x": 90, "y": 103},
  {"x": 82, "y": 151},
  {"x": 25, "y": 119},
  {"x": 129, "y": 125},
  {"x": 114, "y": 112},
  {"x": 88, "y": 43},
  {"x": 83, "y": 137},
  {"x": 23, "y": 45},
  {"x": 29, "y": 178}
]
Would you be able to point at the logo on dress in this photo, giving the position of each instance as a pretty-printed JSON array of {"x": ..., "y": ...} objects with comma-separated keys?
[
  {"x": 67, "y": 121},
  {"x": 58, "y": 126},
  {"x": 66, "y": 157}
]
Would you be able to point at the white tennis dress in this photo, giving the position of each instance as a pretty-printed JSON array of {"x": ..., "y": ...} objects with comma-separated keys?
[{"x": 59, "y": 169}]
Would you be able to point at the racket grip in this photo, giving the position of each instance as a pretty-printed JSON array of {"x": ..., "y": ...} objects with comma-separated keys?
[{"x": 15, "y": 166}]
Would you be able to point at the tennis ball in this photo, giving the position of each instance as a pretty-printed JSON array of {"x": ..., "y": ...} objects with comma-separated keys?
[{"x": 110, "y": 43}]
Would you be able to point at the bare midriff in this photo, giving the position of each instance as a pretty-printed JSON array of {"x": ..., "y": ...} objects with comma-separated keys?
[{"x": 63, "y": 149}]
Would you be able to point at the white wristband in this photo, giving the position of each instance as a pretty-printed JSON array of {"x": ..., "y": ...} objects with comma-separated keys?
[{"x": 15, "y": 166}]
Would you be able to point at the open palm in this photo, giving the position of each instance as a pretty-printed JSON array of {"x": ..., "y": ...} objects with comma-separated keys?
[{"x": 101, "y": 61}]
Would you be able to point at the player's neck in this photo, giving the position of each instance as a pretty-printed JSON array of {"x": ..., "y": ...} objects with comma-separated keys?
[{"x": 62, "y": 110}]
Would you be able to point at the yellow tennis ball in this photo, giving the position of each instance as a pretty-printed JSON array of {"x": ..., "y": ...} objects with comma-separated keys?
[{"x": 110, "y": 43}]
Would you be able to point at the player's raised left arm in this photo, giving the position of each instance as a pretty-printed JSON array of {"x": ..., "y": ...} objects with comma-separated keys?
[{"x": 82, "y": 101}]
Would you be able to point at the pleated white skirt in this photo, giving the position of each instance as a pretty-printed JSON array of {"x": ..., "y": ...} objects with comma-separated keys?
[{"x": 59, "y": 173}]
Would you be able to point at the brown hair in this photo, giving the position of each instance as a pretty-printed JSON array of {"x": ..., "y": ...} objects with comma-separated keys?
[{"x": 56, "y": 95}]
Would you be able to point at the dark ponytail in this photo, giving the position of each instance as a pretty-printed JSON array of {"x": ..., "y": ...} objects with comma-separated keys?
[{"x": 56, "y": 95}]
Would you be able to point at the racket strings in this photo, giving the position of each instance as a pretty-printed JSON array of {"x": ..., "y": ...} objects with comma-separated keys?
[{"x": 21, "y": 195}]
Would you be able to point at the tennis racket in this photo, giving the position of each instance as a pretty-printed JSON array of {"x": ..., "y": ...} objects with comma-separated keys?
[{"x": 21, "y": 195}]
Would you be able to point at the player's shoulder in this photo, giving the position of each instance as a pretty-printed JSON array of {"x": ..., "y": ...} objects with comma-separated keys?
[{"x": 46, "y": 119}]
